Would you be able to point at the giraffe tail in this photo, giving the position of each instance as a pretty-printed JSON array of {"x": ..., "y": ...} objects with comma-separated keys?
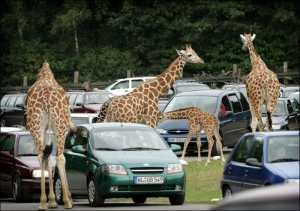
[
  {"x": 269, "y": 120},
  {"x": 103, "y": 110},
  {"x": 46, "y": 154}
]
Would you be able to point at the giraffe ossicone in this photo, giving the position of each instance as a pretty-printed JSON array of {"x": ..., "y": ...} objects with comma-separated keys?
[
  {"x": 48, "y": 109},
  {"x": 141, "y": 104},
  {"x": 262, "y": 86},
  {"x": 197, "y": 120}
]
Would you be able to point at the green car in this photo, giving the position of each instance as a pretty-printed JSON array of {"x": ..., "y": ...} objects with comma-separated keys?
[{"x": 121, "y": 160}]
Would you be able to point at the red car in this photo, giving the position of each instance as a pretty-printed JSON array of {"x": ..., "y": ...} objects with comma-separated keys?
[{"x": 20, "y": 168}]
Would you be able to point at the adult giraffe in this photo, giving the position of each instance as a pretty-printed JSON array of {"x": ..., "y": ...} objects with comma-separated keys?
[
  {"x": 140, "y": 105},
  {"x": 262, "y": 86},
  {"x": 48, "y": 108}
]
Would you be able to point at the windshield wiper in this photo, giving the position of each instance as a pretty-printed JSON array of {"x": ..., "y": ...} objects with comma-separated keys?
[
  {"x": 107, "y": 149},
  {"x": 139, "y": 148},
  {"x": 284, "y": 160},
  {"x": 29, "y": 154}
]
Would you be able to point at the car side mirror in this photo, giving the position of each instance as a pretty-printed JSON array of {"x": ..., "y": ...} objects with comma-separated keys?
[
  {"x": 78, "y": 149},
  {"x": 78, "y": 104},
  {"x": 228, "y": 113},
  {"x": 20, "y": 105},
  {"x": 253, "y": 162},
  {"x": 5, "y": 153}
]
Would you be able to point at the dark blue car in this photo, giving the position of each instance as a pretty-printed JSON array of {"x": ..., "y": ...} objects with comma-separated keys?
[
  {"x": 234, "y": 123},
  {"x": 261, "y": 159}
]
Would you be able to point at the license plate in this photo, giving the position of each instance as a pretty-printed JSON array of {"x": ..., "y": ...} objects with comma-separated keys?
[
  {"x": 148, "y": 180},
  {"x": 177, "y": 139}
]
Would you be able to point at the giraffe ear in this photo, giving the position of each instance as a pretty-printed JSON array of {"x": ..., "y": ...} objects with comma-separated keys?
[
  {"x": 178, "y": 52},
  {"x": 253, "y": 36},
  {"x": 242, "y": 37}
]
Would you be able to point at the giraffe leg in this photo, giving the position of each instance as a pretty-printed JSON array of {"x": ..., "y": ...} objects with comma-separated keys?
[
  {"x": 60, "y": 161},
  {"x": 186, "y": 143},
  {"x": 51, "y": 197},
  {"x": 43, "y": 198},
  {"x": 210, "y": 146},
  {"x": 218, "y": 139},
  {"x": 199, "y": 146}
]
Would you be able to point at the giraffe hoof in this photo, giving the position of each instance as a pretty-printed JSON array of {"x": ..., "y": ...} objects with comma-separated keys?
[{"x": 183, "y": 162}]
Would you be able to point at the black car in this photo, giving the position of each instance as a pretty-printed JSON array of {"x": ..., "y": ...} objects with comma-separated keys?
[
  {"x": 13, "y": 110},
  {"x": 233, "y": 123}
]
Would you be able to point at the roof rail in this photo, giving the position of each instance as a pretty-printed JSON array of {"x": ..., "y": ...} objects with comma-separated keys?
[{"x": 75, "y": 90}]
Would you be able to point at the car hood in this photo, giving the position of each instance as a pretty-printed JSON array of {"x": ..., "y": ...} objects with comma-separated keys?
[
  {"x": 179, "y": 124},
  {"x": 275, "y": 119},
  {"x": 290, "y": 169},
  {"x": 155, "y": 158},
  {"x": 33, "y": 161},
  {"x": 95, "y": 107}
]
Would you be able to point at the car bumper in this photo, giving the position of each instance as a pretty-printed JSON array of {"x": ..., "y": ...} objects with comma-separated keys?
[{"x": 32, "y": 187}]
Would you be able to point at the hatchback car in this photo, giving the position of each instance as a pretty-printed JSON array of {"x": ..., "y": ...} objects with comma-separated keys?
[
  {"x": 239, "y": 87},
  {"x": 286, "y": 115},
  {"x": 121, "y": 160},
  {"x": 125, "y": 85},
  {"x": 234, "y": 123},
  {"x": 87, "y": 102},
  {"x": 20, "y": 168},
  {"x": 13, "y": 110},
  {"x": 261, "y": 159},
  {"x": 285, "y": 91}
]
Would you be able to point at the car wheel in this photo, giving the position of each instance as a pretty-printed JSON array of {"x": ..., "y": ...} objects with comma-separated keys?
[
  {"x": 17, "y": 189},
  {"x": 227, "y": 192},
  {"x": 58, "y": 190},
  {"x": 139, "y": 200},
  {"x": 216, "y": 151},
  {"x": 177, "y": 199},
  {"x": 94, "y": 199}
]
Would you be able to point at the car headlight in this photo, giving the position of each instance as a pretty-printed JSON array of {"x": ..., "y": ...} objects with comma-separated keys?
[
  {"x": 114, "y": 169},
  {"x": 276, "y": 127},
  {"x": 291, "y": 181},
  {"x": 174, "y": 168},
  {"x": 38, "y": 173},
  {"x": 161, "y": 131}
]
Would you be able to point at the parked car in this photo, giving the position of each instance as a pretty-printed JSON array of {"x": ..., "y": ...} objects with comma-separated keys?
[
  {"x": 261, "y": 159},
  {"x": 20, "y": 168},
  {"x": 287, "y": 90},
  {"x": 233, "y": 124},
  {"x": 239, "y": 87},
  {"x": 179, "y": 87},
  {"x": 274, "y": 197},
  {"x": 87, "y": 102},
  {"x": 13, "y": 110},
  {"x": 84, "y": 118},
  {"x": 103, "y": 162},
  {"x": 296, "y": 96},
  {"x": 125, "y": 85},
  {"x": 286, "y": 115}
]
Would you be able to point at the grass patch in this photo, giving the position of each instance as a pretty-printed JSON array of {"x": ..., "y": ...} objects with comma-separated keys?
[{"x": 202, "y": 184}]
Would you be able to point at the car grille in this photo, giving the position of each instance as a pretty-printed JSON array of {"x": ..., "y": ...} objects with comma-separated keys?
[
  {"x": 178, "y": 131},
  {"x": 146, "y": 170},
  {"x": 146, "y": 187}
]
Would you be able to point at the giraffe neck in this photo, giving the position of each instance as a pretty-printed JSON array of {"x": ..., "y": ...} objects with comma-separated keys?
[
  {"x": 183, "y": 113},
  {"x": 256, "y": 62},
  {"x": 45, "y": 73},
  {"x": 163, "y": 82}
]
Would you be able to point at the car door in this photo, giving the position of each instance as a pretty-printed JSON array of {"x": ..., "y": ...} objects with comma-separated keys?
[
  {"x": 293, "y": 118},
  {"x": 253, "y": 175},
  {"x": 18, "y": 112}
]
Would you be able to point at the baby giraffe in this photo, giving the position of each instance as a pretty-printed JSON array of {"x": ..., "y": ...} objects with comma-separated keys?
[{"x": 197, "y": 120}]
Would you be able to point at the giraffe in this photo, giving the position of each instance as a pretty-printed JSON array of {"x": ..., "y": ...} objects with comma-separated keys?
[
  {"x": 262, "y": 86},
  {"x": 197, "y": 120},
  {"x": 140, "y": 105},
  {"x": 48, "y": 108}
]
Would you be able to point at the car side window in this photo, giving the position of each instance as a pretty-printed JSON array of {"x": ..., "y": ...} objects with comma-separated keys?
[
  {"x": 236, "y": 105},
  {"x": 82, "y": 138},
  {"x": 244, "y": 101},
  {"x": 72, "y": 98},
  {"x": 294, "y": 105},
  {"x": 240, "y": 155},
  {"x": 12, "y": 101},
  {"x": 121, "y": 85},
  {"x": 79, "y": 99},
  {"x": 4, "y": 100},
  {"x": 70, "y": 141},
  {"x": 9, "y": 144},
  {"x": 257, "y": 149},
  {"x": 19, "y": 101},
  {"x": 135, "y": 83}
]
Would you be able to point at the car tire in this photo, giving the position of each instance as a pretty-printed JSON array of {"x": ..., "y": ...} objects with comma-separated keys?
[
  {"x": 216, "y": 151},
  {"x": 177, "y": 199},
  {"x": 139, "y": 199},
  {"x": 227, "y": 192},
  {"x": 17, "y": 189},
  {"x": 58, "y": 190},
  {"x": 93, "y": 195}
]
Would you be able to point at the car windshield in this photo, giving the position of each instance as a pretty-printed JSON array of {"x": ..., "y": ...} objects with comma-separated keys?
[
  {"x": 127, "y": 139},
  {"x": 97, "y": 98},
  {"x": 80, "y": 120},
  {"x": 26, "y": 146},
  {"x": 190, "y": 88},
  {"x": 206, "y": 103},
  {"x": 279, "y": 109},
  {"x": 283, "y": 149}
]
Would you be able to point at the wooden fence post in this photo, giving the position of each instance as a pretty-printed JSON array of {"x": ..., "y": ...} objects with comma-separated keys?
[
  {"x": 285, "y": 67},
  {"x": 24, "y": 81},
  {"x": 76, "y": 77}
]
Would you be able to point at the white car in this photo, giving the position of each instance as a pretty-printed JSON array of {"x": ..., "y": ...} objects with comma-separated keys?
[
  {"x": 9, "y": 129},
  {"x": 296, "y": 96},
  {"x": 126, "y": 85},
  {"x": 84, "y": 118}
]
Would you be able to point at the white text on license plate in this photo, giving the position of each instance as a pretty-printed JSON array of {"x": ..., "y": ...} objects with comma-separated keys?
[
  {"x": 148, "y": 180},
  {"x": 177, "y": 139}
]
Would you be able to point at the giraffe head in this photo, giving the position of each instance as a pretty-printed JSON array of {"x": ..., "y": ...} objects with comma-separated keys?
[
  {"x": 189, "y": 55},
  {"x": 246, "y": 40},
  {"x": 161, "y": 117}
]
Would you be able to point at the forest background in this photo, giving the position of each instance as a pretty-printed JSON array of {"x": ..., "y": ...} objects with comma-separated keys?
[{"x": 102, "y": 39}]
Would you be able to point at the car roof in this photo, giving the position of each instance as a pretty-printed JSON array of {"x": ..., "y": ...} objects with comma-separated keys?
[
  {"x": 240, "y": 85},
  {"x": 291, "y": 87},
  {"x": 114, "y": 124},
  {"x": 8, "y": 129},
  {"x": 207, "y": 92},
  {"x": 277, "y": 132},
  {"x": 142, "y": 77},
  {"x": 20, "y": 132},
  {"x": 84, "y": 92},
  {"x": 83, "y": 114}
]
